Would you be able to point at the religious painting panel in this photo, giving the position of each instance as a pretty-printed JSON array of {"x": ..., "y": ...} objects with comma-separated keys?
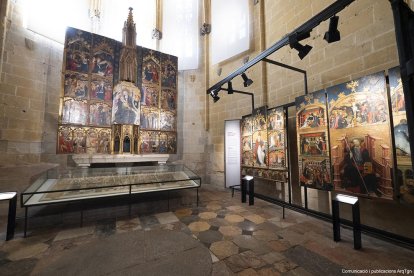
[
  {"x": 92, "y": 140},
  {"x": 150, "y": 118},
  {"x": 360, "y": 137},
  {"x": 168, "y": 99},
  {"x": 167, "y": 121},
  {"x": 276, "y": 138},
  {"x": 77, "y": 50},
  {"x": 151, "y": 68},
  {"x": 100, "y": 114},
  {"x": 169, "y": 71},
  {"x": 312, "y": 141},
  {"x": 259, "y": 137},
  {"x": 74, "y": 111},
  {"x": 172, "y": 143},
  {"x": 126, "y": 104},
  {"x": 149, "y": 141},
  {"x": 76, "y": 85},
  {"x": 405, "y": 175},
  {"x": 101, "y": 89},
  {"x": 104, "y": 140},
  {"x": 315, "y": 173},
  {"x": 247, "y": 152},
  {"x": 246, "y": 125},
  {"x": 163, "y": 141},
  {"x": 313, "y": 144},
  {"x": 102, "y": 62},
  {"x": 79, "y": 139},
  {"x": 65, "y": 140},
  {"x": 150, "y": 95}
]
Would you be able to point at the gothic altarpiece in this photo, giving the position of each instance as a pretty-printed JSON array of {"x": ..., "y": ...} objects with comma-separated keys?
[{"x": 117, "y": 97}]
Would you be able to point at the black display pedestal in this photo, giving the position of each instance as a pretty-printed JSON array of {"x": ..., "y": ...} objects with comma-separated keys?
[
  {"x": 336, "y": 221},
  {"x": 247, "y": 185}
]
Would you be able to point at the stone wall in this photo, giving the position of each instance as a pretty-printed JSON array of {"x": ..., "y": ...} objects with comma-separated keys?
[{"x": 367, "y": 45}]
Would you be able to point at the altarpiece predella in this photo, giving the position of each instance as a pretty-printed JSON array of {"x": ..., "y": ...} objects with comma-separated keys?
[{"x": 117, "y": 97}]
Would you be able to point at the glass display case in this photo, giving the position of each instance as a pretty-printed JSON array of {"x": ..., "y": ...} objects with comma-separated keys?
[{"x": 77, "y": 184}]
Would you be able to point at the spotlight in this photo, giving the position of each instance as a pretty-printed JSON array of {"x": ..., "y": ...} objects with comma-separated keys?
[
  {"x": 230, "y": 88},
  {"x": 302, "y": 50},
  {"x": 333, "y": 34},
  {"x": 247, "y": 82},
  {"x": 214, "y": 95}
]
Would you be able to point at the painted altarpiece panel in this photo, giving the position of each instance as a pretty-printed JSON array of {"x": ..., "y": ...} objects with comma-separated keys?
[
  {"x": 149, "y": 142},
  {"x": 74, "y": 111},
  {"x": 126, "y": 104},
  {"x": 167, "y": 121},
  {"x": 247, "y": 146},
  {"x": 276, "y": 138},
  {"x": 405, "y": 177},
  {"x": 76, "y": 85},
  {"x": 168, "y": 99},
  {"x": 100, "y": 114},
  {"x": 259, "y": 137},
  {"x": 312, "y": 141},
  {"x": 360, "y": 137},
  {"x": 77, "y": 50},
  {"x": 65, "y": 140},
  {"x": 169, "y": 71},
  {"x": 150, "y": 118}
]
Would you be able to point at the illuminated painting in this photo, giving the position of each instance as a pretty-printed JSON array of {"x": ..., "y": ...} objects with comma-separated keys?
[
  {"x": 79, "y": 140},
  {"x": 76, "y": 85},
  {"x": 246, "y": 126},
  {"x": 169, "y": 71},
  {"x": 103, "y": 56},
  {"x": 260, "y": 149},
  {"x": 100, "y": 114},
  {"x": 167, "y": 120},
  {"x": 101, "y": 89},
  {"x": 163, "y": 142},
  {"x": 312, "y": 141},
  {"x": 126, "y": 104},
  {"x": 149, "y": 141},
  {"x": 150, "y": 96},
  {"x": 65, "y": 140},
  {"x": 172, "y": 143},
  {"x": 75, "y": 111},
  {"x": 168, "y": 99},
  {"x": 150, "y": 118},
  {"x": 405, "y": 175},
  {"x": 150, "y": 67},
  {"x": 77, "y": 50},
  {"x": 276, "y": 138},
  {"x": 360, "y": 137}
]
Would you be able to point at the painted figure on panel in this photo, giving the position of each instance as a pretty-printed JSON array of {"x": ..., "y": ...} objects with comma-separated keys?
[
  {"x": 276, "y": 140},
  {"x": 150, "y": 68},
  {"x": 100, "y": 114},
  {"x": 260, "y": 149},
  {"x": 163, "y": 139},
  {"x": 275, "y": 119},
  {"x": 259, "y": 119},
  {"x": 126, "y": 104},
  {"x": 246, "y": 126},
  {"x": 167, "y": 120},
  {"x": 172, "y": 143},
  {"x": 104, "y": 140},
  {"x": 65, "y": 140},
  {"x": 92, "y": 141},
  {"x": 101, "y": 89},
  {"x": 79, "y": 140},
  {"x": 360, "y": 136},
  {"x": 103, "y": 56},
  {"x": 77, "y": 45},
  {"x": 149, "y": 141},
  {"x": 169, "y": 74},
  {"x": 311, "y": 110},
  {"x": 149, "y": 118},
  {"x": 168, "y": 99},
  {"x": 74, "y": 112},
  {"x": 150, "y": 96},
  {"x": 315, "y": 173},
  {"x": 277, "y": 159},
  {"x": 313, "y": 144},
  {"x": 76, "y": 85}
]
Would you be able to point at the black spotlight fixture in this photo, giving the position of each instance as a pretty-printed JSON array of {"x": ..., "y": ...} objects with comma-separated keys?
[
  {"x": 302, "y": 50},
  {"x": 246, "y": 81},
  {"x": 214, "y": 95},
  {"x": 333, "y": 35},
  {"x": 230, "y": 88}
]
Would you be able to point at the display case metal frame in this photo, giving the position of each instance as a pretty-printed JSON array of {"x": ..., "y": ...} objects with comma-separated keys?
[{"x": 35, "y": 188}]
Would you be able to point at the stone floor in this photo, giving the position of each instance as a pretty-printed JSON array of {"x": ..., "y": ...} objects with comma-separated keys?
[{"x": 242, "y": 239}]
